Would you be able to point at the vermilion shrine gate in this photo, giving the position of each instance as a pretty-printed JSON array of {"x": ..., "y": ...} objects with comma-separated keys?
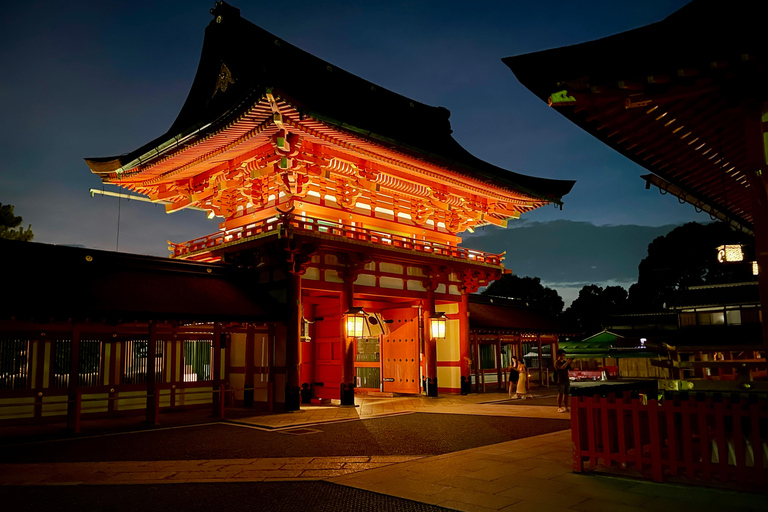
[{"x": 343, "y": 202}]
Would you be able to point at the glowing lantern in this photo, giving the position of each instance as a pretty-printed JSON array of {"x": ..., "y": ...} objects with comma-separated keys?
[
  {"x": 437, "y": 323},
  {"x": 755, "y": 268},
  {"x": 355, "y": 321},
  {"x": 730, "y": 253}
]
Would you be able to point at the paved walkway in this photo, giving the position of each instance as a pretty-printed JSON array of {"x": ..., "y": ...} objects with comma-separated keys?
[{"x": 528, "y": 474}]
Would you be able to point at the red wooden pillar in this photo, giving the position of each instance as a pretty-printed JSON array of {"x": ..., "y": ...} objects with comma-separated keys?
[
  {"x": 153, "y": 393},
  {"x": 218, "y": 391},
  {"x": 347, "y": 391},
  {"x": 499, "y": 370},
  {"x": 430, "y": 345},
  {"x": 464, "y": 342},
  {"x": 541, "y": 361},
  {"x": 250, "y": 340},
  {"x": 74, "y": 404},
  {"x": 292, "y": 344},
  {"x": 757, "y": 173}
]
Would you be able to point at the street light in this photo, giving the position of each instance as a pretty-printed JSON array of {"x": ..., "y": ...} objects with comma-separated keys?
[{"x": 437, "y": 323}]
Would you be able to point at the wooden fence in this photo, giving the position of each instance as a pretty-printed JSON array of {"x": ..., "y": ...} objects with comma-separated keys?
[{"x": 695, "y": 438}]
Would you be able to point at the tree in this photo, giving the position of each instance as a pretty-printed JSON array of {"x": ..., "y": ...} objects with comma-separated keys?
[
  {"x": 528, "y": 289},
  {"x": 686, "y": 256},
  {"x": 8, "y": 223},
  {"x": 594, "y": 305}
]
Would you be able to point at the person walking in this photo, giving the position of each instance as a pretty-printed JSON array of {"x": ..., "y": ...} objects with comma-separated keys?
[
  {"x": 522, "y": 382},
  {"x": 562, "y": 366},
  {"x": 514, "y": 376}
]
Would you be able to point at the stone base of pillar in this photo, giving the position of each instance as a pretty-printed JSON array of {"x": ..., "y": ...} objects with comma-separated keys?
[
  {"x": 347, "y": 394},
  {"x": 306, "y": 394},
  {"x": 466, "y": 385},
  {"x": 292, "y": 398},
  {"x": 430, "y": 386}
]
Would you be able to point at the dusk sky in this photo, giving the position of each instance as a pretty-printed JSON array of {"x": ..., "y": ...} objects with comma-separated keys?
[{"x": 87, "y": 79}]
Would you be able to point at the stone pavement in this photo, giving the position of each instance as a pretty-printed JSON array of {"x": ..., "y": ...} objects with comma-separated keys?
[{"x": 527, "y": 474}]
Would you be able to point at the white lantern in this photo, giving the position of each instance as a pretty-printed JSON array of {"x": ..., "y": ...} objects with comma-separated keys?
[
  {"x": 355, "y": 321},
  {"x": 437, "y": 323}
]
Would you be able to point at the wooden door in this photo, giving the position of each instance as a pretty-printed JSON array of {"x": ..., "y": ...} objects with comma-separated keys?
[{"x": 400, "y": 352}]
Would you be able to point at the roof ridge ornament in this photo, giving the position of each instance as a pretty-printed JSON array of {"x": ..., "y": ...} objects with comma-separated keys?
[
  {"x": 223, "y": 80},
  {"x": 223, "y": 9}
]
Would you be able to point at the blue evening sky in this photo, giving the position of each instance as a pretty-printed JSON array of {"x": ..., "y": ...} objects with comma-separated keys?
[{"x": 101, "y": 78}]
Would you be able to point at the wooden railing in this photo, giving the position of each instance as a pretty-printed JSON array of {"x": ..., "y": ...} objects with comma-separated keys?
[
  {"x": 307, "y": 224},
  {"x": 705, "y": 439}
]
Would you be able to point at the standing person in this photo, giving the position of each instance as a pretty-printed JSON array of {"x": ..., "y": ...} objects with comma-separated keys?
[
  {"x": 514, "y": 376},
  {"x": 522, "y": 381},
  {"x": 562, "y": 365}
]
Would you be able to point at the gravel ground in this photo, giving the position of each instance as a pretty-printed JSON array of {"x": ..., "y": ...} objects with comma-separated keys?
[
  {"x": 266, "y": 496},
  {"x": 409, "y": 434}
]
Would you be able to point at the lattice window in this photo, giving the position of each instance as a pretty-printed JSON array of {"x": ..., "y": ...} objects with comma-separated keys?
[
  {"x": 197, "y": 360},
  {"x": 62, "y": 362},
  {"x": 135, "y": 363},
  {"x": 89, "y": 363},
  {"x": 13, "y": 363}
]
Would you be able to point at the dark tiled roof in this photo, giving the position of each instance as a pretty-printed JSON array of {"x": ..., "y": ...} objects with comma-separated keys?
[
  {"x": 719, "y": 295},
  {"x": 58, "y": 282},
  {"x": 260, "y": 62},
  {"x": 642, "y": 91},
  {"x": 506, "y": 315}
]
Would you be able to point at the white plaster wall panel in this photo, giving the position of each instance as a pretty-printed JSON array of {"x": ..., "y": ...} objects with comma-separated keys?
[
  {"x": 331, "y": 276},
  {"x": 415, "y": 271},
  {"x": 450, "y": 308},
  {"x": 449, "y": 377},
  {"x": 391, "y": 268},
  {"x": 331, "y": 259},
  {"x": 391, "y": 283},
  {"x": 366, "y": 280},
  {"x": 237, "y": 349},
  {"x": 416, "y": 286},
  {"x": 440, "y": 288},
  {"x": 371, "y": 265},
  {"x": 312, "y": 274}
]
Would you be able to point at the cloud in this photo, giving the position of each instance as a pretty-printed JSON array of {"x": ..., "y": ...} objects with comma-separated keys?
[{"x": 568, "y": 255}]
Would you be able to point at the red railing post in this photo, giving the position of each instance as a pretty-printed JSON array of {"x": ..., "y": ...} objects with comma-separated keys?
[
  {"x": 621, "y": 428},
  {"x": 701, "y": 410},
  {"x": 637, "y": 439},
  {"x": 655, "y": 438},
  {"x": 577, "y": 411},
  {"x": 605, "y": 427},
  {"x": 591, "y": 431},
  {"x": 670, "y": 408},
  {"x": 687, "y": 435}
]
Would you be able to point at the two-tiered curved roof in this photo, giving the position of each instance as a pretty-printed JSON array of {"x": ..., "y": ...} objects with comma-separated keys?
[{"x": 246, "y": 74}]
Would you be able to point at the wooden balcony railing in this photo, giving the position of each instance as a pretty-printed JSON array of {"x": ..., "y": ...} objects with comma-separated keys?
[{"x": 301, "y": 224}]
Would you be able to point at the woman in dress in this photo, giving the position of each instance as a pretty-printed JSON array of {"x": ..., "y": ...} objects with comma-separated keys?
[
  {"x": 522, "y": 381},
  {"x": 513, "y": 376}
]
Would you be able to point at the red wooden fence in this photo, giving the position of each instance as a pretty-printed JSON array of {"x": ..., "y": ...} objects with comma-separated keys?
[{"x": 704, "y": 439}]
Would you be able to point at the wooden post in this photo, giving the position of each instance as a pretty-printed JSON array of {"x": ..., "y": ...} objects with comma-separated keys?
[
  {"x": 757, "y": 174},
  {"x": 347, "y": 391},
  {"x": 218, "y": 389},
  {"x": 153, "y": 394},
  {"x": 292, "y": 344},
  {"x": 541, "y": 361},
  {"x": 464, "y": 342},
  {"x": 498, "y": 362},
  {"x": 430, "y": 345},
  {"x": 73, "y": 395},
  {"x": 250, "y": 339}
]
